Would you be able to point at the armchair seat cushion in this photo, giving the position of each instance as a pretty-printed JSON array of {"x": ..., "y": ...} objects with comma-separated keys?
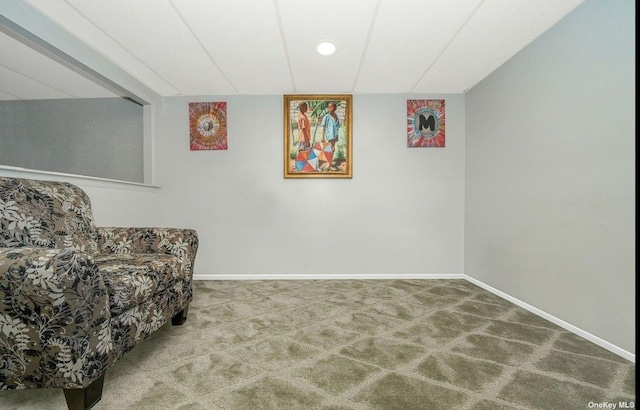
[{"x": 132, "y": 278}]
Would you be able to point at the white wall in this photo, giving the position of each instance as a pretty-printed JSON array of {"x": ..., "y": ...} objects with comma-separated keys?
[
  {"x": 117, "y": 206},
  {"x": 402, "y": 212},
  {"x": 550, "y": 168}
]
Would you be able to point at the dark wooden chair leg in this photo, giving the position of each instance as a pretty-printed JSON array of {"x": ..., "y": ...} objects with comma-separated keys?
[
  {"x": 84, "y": 399},
  {"x": 180, "y": 317}
]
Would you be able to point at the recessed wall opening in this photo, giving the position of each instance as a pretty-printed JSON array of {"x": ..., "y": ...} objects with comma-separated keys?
[{"x": 59, "y": 115}]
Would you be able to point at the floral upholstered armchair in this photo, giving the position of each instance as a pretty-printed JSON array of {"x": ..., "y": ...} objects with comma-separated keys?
[{"x": 75, "y": 298}]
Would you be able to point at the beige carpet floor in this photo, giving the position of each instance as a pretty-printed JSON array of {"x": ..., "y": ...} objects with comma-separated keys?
[{"x": 340, "y": 345}]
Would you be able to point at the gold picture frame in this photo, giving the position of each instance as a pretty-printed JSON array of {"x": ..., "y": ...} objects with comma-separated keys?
[{"x": 318, "y": 140}]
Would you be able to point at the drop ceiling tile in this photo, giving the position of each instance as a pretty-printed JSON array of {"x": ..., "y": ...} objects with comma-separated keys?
[
  {"x": 26, "y": 88},
  {"x": 305, "y": 24},
  {"x": 31, "y": 63},
  {"x": 496, "y": 32},
  {"x": 70, "y": 19},
  {"x": 150, "y": 39},
  {"x": 243, "y": 37},
  {"x": 153, "y": 32},
  {"x": 406, "y": 40}
]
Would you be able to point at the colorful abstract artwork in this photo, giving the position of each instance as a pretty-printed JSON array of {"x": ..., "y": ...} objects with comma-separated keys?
[
  {"x": 317, "y": 136},
  {"x": 208, "y": 126},
  {"x": 425, "y": 123}
]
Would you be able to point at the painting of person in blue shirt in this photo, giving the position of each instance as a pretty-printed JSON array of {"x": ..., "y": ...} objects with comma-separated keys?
[{"x": 330, "y": 126}]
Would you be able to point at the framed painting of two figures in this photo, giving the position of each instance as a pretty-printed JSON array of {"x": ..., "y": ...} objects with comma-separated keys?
[{"x": 317, "y": 136}]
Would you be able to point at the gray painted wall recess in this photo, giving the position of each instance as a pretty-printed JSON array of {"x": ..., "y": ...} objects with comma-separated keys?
[{"x": 101, "y": 137}]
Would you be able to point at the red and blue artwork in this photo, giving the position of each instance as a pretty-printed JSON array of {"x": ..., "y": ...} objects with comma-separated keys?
[
  {"x": 207, "y": 126},
  {"x": 319, "y": 157},
  {"x": 317, "y": 136},
  {"x": 425, "y": 123}
]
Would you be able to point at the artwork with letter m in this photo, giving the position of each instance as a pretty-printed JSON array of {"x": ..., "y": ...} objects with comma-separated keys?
[{"x": 425, "y": 123}]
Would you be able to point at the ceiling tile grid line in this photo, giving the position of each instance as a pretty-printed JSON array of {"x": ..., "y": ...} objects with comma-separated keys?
[
  {"x": 444, "y": 49},
  {"x": 25, "y": 88},
  {"x": 497, "y": 31},
  {"x": 70, "y": 18},
  {"x": 245, "y": 40},
  {"x": 35, "y": 62},
  {"x": 366, "y": 45},
  {"x": 3, "y": 95},
  {"x": 268, "y": 47},
  {"x": 152, "y": 31},
  {"x": 406, "y": 39},
  {"x": 129, "y": 52},
  {"x": 36, "y": 80},
  {"x": 197, "y": 39},
  {"x": 284, "y": 43}
]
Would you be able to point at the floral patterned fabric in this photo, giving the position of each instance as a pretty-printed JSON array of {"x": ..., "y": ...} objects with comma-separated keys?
[
  {"x": 139, "y": 243},
  {"x": 182, "y": 243},
  {"x": 54, "y": 319},
  {"x": 133, "y": 326},
  {"x": 50, "y": 215},
  {"x": 75, "y": 298},
  {"x": 133, "y": 278}
]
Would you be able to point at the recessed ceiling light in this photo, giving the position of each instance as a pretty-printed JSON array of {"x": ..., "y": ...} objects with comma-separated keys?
[{"x": 326, "y": 48}]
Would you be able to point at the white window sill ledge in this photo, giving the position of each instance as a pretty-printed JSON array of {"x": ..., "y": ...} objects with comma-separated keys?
[{"x": 80, "y": 180}]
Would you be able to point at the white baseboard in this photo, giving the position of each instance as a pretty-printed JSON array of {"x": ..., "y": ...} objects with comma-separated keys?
[
  {"x": 568, "y": 326},
  {"x": 325, "y": 276}
]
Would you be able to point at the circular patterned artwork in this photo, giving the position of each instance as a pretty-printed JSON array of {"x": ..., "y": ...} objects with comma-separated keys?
[
  {"x": 425, "y": 123},
  {"x": 208, "y": 126}
]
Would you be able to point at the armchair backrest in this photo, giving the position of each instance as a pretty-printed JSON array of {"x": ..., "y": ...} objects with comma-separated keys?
[{"x": 46, "y": 214}]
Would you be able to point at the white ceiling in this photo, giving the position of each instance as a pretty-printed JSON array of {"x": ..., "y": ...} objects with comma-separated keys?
[
  {"x": 29, "y": 75},
  {"x": 221, "y": 47}
]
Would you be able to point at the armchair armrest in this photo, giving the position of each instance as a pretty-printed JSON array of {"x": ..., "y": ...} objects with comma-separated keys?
[
  {"x": 54, "y": 318},
  {"x": 170, "y": 241}
]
